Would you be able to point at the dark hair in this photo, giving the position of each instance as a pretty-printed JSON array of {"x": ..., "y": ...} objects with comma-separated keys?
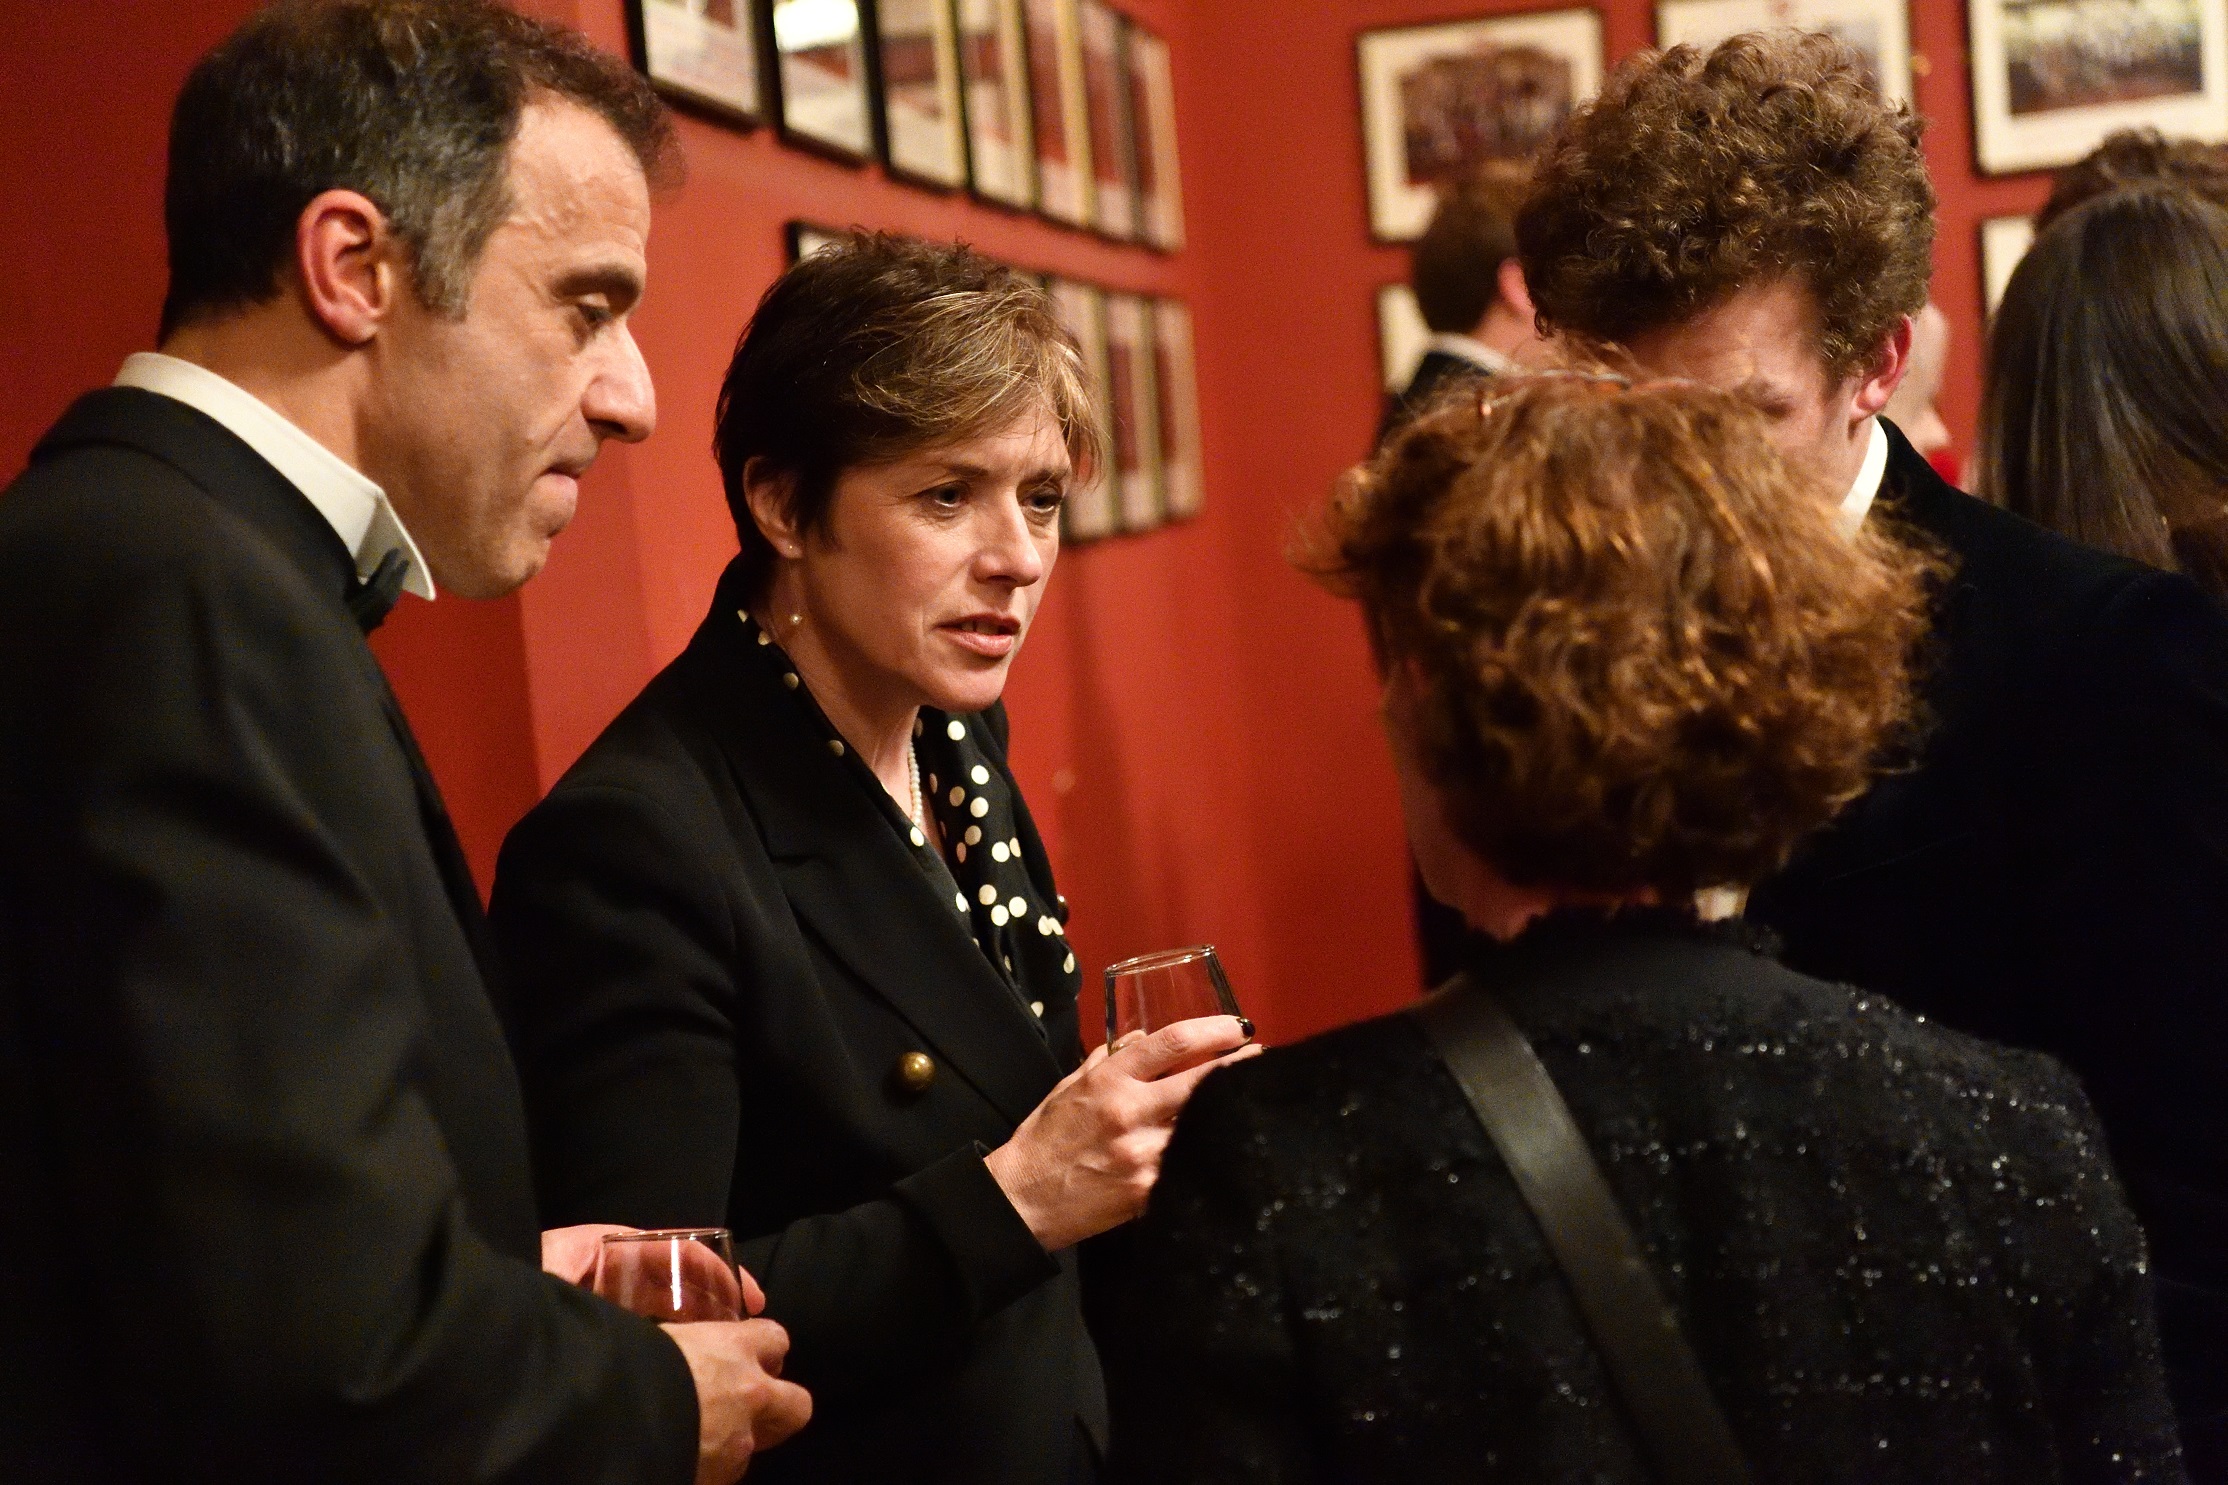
[
  {"x": 2130, "y": 157},
  {"x": 1455, "y": 266},
  {"x": 1645, "y": 655},
  {"x": 877, "y": 347},
  {"x": 2106, "y": 410},
  {"x": 1692, "y": 177},
  {"x": 414, "y": 103}
]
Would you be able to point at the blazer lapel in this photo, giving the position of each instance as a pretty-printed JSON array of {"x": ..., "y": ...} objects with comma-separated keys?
[{"x": 854, "y": 885}]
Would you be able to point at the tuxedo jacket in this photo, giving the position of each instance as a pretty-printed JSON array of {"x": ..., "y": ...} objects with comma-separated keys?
[
  {"x": 2051, "y": 871},
  {"x": 264, "y": 1205},
  {"x": 722, "y": 949}
]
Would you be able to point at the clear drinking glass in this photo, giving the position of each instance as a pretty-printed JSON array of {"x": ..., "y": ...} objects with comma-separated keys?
[
  {"x": 1156, "y": 990},
  {"x": 673, "y": 1275}
]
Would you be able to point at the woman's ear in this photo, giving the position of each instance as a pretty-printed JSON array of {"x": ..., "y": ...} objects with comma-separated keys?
[{"x": 771, "y": 494}]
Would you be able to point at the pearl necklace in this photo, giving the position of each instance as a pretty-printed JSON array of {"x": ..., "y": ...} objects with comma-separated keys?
[{"x": 913, "y": 776}]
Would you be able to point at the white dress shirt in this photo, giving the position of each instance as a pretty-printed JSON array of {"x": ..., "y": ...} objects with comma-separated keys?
[
  {"x": 1465, "y": 348},
  {"x": 1858, "y": 502},
  {"x": 356, "y": 508}
]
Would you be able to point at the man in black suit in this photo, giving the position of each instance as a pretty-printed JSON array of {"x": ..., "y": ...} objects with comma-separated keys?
[
  {"x": 265, "y": 1209},
  {"x": 2052, "y": 869},
  {"x": 1470, "y": 290}
]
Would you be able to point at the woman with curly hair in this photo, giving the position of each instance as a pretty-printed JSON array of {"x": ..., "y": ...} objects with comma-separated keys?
[{"x": 1629, "y": 656}]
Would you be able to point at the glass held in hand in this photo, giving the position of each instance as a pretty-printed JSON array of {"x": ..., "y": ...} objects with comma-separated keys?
[
  {"x": 673, "y": 1275},
  {"x": 1156, "y": 990}
]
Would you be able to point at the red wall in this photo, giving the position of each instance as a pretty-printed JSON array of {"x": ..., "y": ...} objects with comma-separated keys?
[{"x": 1193, "y": 723}]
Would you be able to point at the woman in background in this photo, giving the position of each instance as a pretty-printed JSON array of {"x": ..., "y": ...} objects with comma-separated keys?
[
  {"x": 786, "y": 952},
  {"x": 2106, "y": 412},
  {"x": 1626, "y": 656}
]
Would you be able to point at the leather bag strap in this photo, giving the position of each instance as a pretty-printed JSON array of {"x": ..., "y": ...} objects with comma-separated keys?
[{"x": 1656, "y": 1375}]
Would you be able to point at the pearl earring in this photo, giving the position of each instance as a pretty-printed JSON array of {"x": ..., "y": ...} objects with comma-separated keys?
[{"x": 795, "y": 620}]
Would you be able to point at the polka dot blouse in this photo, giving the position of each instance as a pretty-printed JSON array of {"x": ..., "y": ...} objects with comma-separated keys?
[{"x": 989, "y": 874}]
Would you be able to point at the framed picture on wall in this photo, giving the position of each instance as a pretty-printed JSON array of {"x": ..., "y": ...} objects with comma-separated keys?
[
  {"x": 1879, "y": 29},
  {"x": 1176, "y": 377},
  {"x": 1402, "y": 336},
  {"x": 2003, "y": 242},
  {"x": 703, "y": 52},
  {"x": 821, "y": 75},
  {"x": 994, "y": 63},
  {"x": 917, "y": 46},
  {"x": 1106, "y": 96},
  {"x": 807, "y": 238},
  {"x": 1135, "y": 402},
  {"x": 1090, "y": 511},
  {"x": 1059, "y": 110},
  {"x": 1440, "y": 100},
  {"x": 2051, "y": 78},
  {"x": 1152, "y": 85}
]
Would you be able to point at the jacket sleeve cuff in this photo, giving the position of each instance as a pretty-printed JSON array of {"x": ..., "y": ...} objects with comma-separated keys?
[
  {"x": 673, "y": 1398},
  {"x": 997, "y": 1257}
]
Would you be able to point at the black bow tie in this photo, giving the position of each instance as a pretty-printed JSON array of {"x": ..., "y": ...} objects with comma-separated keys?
[{"x": 372, "y": 599}]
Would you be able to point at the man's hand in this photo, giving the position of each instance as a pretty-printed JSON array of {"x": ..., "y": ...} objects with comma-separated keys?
[
  {"x": 742, "y": 1405},
  {"x": 570, "y": 1252}
]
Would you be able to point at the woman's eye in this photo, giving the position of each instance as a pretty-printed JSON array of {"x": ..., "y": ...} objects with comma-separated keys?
[
  {"x": 1047, "y": 502},
  {"x": 947, "y": 497}
]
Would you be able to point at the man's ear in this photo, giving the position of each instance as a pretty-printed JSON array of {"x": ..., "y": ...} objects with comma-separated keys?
[
  {"x": 1513, "y": 291},
  {"x": 1885, "y": 372},
  {"x": 771, "y": 495},
  {"x": 349, "y": 263}
]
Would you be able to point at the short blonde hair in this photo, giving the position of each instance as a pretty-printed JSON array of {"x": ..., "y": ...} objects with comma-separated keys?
[
  {"x": 878, "y": 347},
  {"x": 1646, "y": 656}
]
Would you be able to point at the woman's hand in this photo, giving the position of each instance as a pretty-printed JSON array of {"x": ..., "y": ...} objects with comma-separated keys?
[{"x": 1086, "y": 1158}]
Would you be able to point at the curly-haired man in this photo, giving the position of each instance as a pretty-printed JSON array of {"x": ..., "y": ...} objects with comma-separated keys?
[{"x": 2052, "y": 870}]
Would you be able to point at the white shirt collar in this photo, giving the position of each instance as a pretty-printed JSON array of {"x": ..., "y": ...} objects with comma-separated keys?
[
  {"x": 1467, "y": 348},
  {"x": 356, "y": 508},
  {"x": 1858, "y": 502}
]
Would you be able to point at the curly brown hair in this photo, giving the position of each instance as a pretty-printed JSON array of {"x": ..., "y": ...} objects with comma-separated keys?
[
  {"x": 1643, "y": 654},
  {"x": 1691, "y": 177}
]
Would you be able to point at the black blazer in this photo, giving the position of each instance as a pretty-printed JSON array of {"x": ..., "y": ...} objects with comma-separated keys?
[
  {"x": 1437, "y": 374},
  {"x": 721, "y": 949},
  {"x": 1900, "y": 1254},
  {"x": 2054, "y": 872},
  {"x": 264, "y": 1205}
]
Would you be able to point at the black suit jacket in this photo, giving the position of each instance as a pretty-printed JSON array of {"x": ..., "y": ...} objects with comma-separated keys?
[
  {"x": 264, "y": 1205},
  {"x": 2054, "y": 871},
  {"x": 1899, "y": 1253},
  {"x": 720, "y": 950},
  {"x": 1436, "y": 375}
]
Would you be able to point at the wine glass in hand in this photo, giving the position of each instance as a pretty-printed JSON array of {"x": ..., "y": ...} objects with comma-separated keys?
[
  {"x": 1156, "y": 990},
  {"x": 675, "y": 1276}
]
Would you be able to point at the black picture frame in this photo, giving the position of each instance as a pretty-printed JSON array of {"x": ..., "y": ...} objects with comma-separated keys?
[
  {"x": 920, "y": 115},
  {"x": 677, "y": 45},
  {"x": 994, "y": 77},
  {"x": 813, "y": 107}
]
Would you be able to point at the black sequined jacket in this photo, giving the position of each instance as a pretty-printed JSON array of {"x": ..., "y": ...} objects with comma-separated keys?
[{"x": 1901, "y": 1253}]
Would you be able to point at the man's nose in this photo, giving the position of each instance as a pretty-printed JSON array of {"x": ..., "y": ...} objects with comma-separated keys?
[{"x": 621, "y": 402}]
